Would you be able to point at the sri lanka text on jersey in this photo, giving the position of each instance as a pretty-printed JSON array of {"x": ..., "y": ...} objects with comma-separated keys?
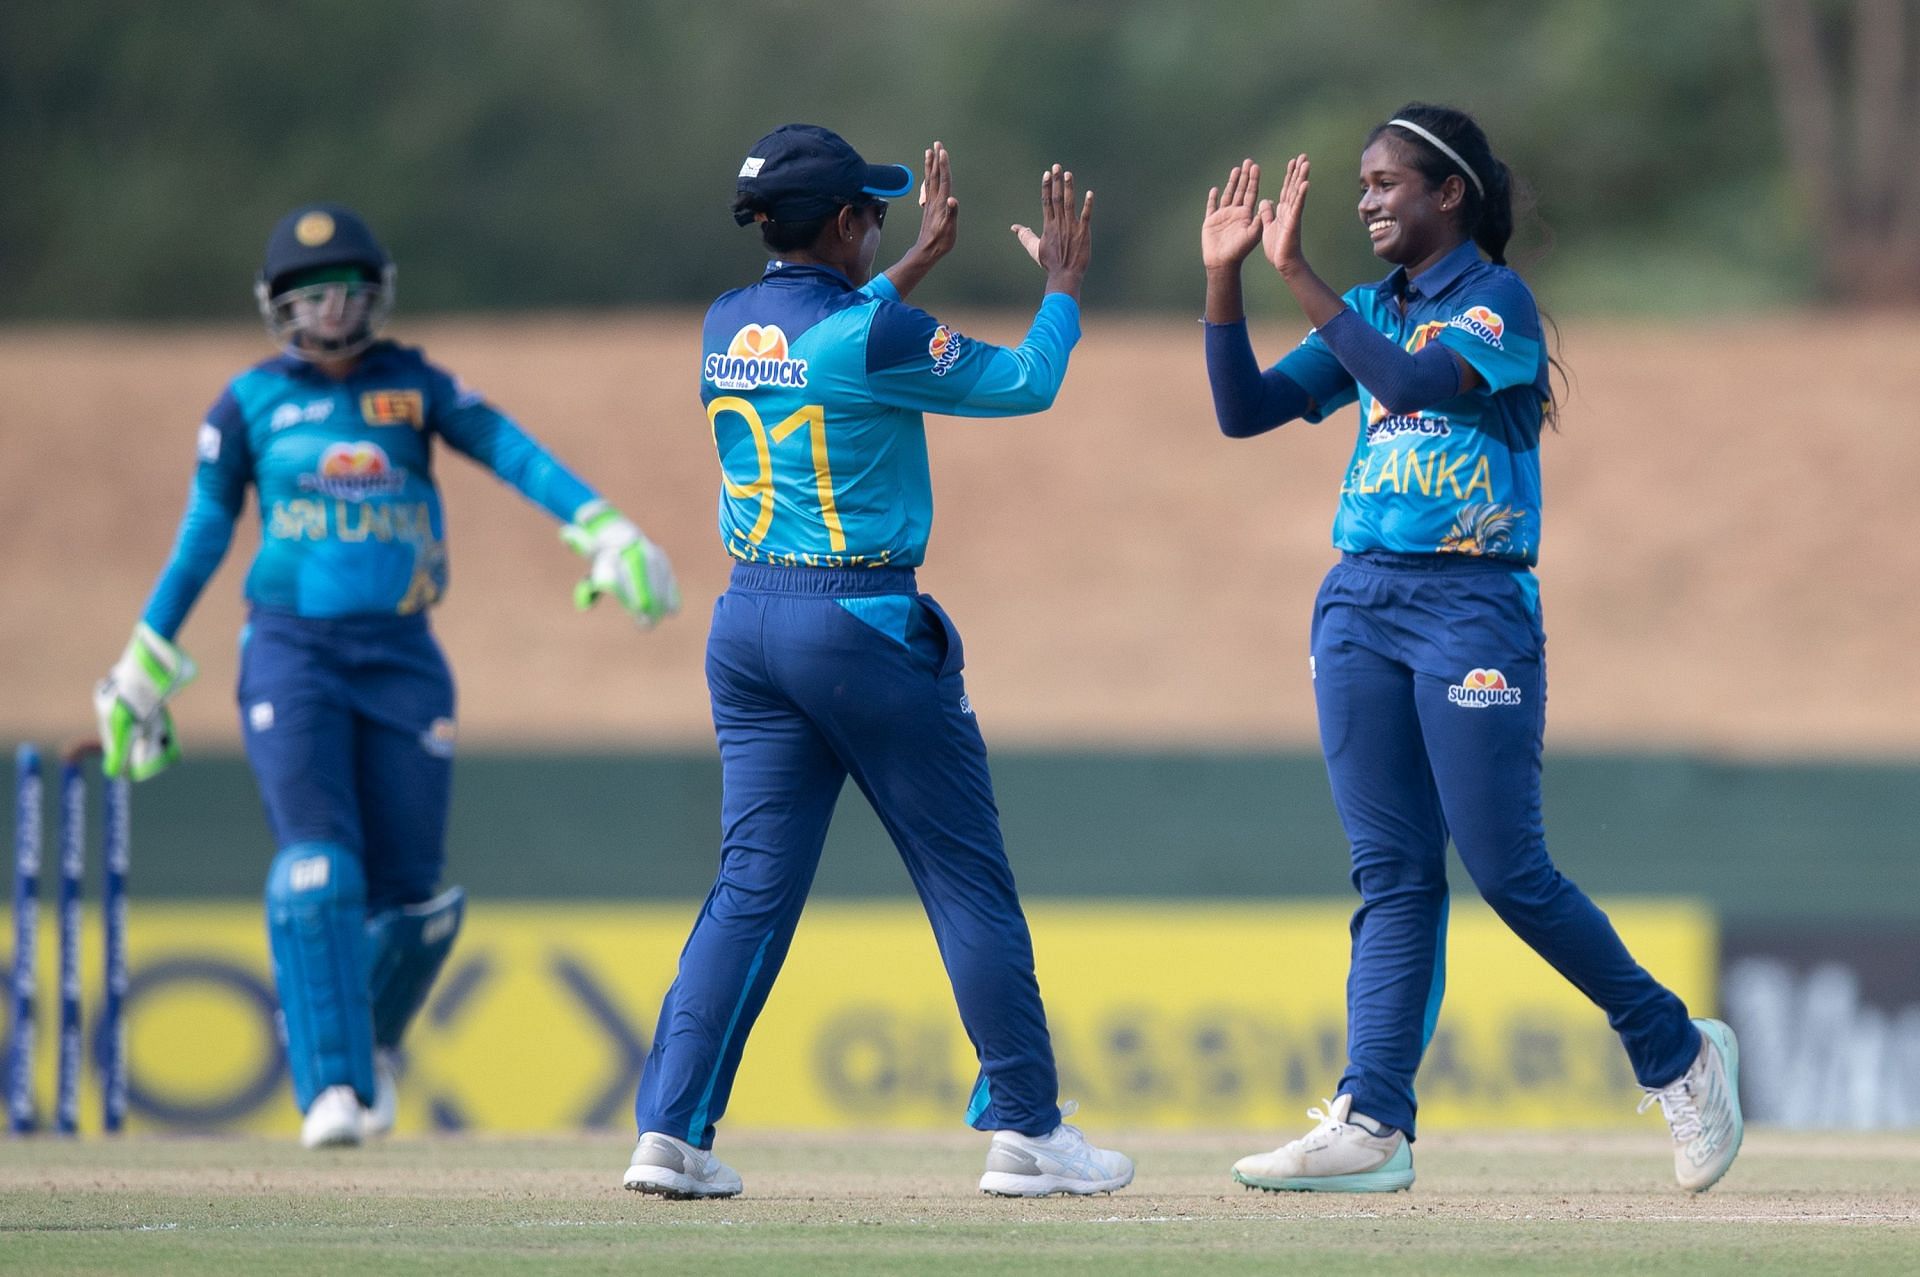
[{"x": 1435, "y": 473}]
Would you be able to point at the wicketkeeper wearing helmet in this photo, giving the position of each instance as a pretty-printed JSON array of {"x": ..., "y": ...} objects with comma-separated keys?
[{"x": 346, "y": 702}]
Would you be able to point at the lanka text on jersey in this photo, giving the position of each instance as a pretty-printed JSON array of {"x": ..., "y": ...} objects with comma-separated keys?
[{"x": 1461, "y": 477}]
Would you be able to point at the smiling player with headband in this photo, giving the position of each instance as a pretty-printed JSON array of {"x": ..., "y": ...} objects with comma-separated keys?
[{"x": 1427, "y": 647}]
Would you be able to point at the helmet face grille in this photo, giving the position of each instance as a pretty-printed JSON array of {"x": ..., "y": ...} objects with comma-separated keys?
[{"x": 335, "y": 320}]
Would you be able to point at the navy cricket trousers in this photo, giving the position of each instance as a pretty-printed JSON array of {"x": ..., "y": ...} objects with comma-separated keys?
[
  {"x": 817, "y": 675},
  {"x": 1430, "y": 680},
  {"x": 349, "y": 729}
]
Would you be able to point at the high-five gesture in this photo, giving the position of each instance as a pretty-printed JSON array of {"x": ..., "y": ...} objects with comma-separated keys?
[
  {"x": 1232, "y": 226},
  {"x": 1280, "y": 237},
  {"x": 939, "y": 223},
  {"x": 1064, "y": 246},
  {"x": 939, "y": 210},
  {"x": 1280, "y": 219}
]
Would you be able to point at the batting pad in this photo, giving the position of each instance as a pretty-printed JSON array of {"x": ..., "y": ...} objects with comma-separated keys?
[
  {"x": 408, "y": 947},
  {"x": 316, "y": 927}
]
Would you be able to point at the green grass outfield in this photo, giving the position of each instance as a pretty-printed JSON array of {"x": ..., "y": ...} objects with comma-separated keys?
[{"x": 1484, "y": 1204}]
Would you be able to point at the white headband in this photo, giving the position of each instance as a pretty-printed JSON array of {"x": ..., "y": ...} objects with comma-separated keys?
[{"x": 1445, "y": 150}]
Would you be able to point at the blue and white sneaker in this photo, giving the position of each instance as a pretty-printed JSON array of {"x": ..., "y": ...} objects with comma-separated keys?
[
  {"x": 1702, "y": 1106},
  {"x": 669, "y": 1167},
  {"x": 1061, "y": 1161},
  {"x": 1347, "y": 1152}
]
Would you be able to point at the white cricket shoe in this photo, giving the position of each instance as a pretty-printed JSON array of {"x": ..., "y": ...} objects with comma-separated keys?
[
  {"x": 667, "y": 1167},
  {"x": 1059, "y": 1162},
  {"x": 1346, "y": 1153},
  {"x": 386, "y": 1091},
  {"x": 1702, "y": 1106},
  {"x": 334, "y": 1120}
]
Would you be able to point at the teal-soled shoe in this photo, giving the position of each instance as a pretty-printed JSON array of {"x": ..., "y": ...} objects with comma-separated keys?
[
  {"x": 1702, "y": 1106},
  {"x": 1340, "y": 1155}
]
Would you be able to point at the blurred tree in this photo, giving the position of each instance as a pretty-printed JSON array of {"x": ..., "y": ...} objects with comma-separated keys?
[
  {"x": 1845, "y": 77},
  {"x": 580, "y": 153}
]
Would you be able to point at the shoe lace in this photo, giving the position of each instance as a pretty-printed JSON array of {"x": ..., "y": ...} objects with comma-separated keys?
[
  {"x": 1678, "y": 1106},
  {"x": 1070, "y": 1133},
  {"x": 1324, "y": 1120}
]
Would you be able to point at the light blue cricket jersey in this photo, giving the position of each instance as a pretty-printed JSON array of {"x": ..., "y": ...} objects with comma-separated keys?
[
  {"x": 814, "y": 392},
  {"x": 1461, "y": 477},
  {"x": 349, "y": 512}
]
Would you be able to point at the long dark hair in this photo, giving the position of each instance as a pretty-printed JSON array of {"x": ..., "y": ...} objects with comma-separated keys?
[{"x": 1487, "y": 215}]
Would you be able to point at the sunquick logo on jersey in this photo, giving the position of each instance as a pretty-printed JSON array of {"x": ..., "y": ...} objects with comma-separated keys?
[
  {"x": 1399, "y": 424},
  {"x": 355, "y": 471},
  {"x": 944, "y": 349},
  {"x": 1482, "y": 323},
  {"x": 757, "y": 356},
  {"x": 295, "y": 414},
  {"x": 1481, "y": 689}
]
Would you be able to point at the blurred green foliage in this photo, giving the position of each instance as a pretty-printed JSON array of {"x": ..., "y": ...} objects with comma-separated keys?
[{"x": 581, "y": 153}]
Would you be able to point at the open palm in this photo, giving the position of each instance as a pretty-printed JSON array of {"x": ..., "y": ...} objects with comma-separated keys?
[
  {"x": 1232, "y": 226},
  {"x": 1280, "y": 219}
]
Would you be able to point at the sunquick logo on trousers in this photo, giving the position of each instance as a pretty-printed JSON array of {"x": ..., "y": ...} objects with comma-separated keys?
[
  {"x": 1482, "y": 688},
  {"x": 757, "y": 356}
]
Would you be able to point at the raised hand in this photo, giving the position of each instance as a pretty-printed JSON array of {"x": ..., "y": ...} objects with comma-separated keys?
[
  {"x": 939, "y": 210},
  {"x": 1280, "y": 219},
  {"x": 939, "y": 224},
  {"x": 1064, "y": 246},
  {"x": 1232, "y": 226}
]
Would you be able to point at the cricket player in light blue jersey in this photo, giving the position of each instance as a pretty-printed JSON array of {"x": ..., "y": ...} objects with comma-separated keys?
[
  {"x": 825, "y": 661},
  {"x": 1429, "y": 657},
  {"x": 346, "y": 703}
]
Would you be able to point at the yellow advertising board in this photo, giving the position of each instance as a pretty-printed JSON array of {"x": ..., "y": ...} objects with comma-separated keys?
[{"x": 1183, "y": 1015}]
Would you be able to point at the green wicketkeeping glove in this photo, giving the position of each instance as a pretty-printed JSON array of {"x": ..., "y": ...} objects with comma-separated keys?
[
  {"x": 623, "y": 563},
  {"x": 136, "y": 730}
]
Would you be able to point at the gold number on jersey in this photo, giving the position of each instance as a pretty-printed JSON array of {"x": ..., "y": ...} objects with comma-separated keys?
[{"x": 813, "y": 416}]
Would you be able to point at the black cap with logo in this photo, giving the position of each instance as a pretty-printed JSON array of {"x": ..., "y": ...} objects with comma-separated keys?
[{"x": 800, "y": 172}]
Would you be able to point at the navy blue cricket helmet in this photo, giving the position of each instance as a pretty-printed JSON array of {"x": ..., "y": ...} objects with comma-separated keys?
[{"x": 326, "y": 286}]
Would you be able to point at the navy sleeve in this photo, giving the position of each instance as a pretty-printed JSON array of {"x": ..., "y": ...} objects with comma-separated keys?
[
  {"x": 1247, "y": 401},
  {"x": 1399, "y": 381},
  {"x": 479, "y": 430},
  {"x": 206, "y": 529}
]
